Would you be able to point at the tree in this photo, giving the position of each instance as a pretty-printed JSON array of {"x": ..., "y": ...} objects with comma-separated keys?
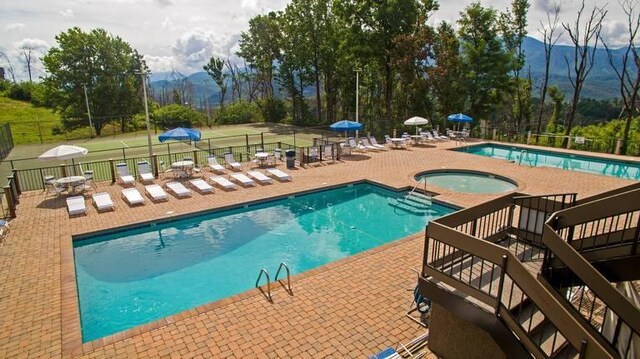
[
  {"x": 176, "y": 115},
  {"x": 30, "y": 49},
  {"x": 106, "y": 65},
  {"x": 215, "y": 69},
  {"x": 584, "y": 49},
  {"x": 629, "y": 81},
  {"x": 486, "y": 64},
  {"x": 446, "y": 75},
  {"x": 549, "y": 38},
  {"x": 4, "y": 57},
  {"x": 558, "y": 100}
]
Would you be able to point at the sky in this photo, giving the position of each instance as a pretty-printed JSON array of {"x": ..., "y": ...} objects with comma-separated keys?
[{"x": 183, "y": 34}]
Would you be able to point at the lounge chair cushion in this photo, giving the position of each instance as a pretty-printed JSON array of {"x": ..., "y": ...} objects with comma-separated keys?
[
  {"x": 103, "y": 201},
  {"x": 201, "y": 185},
  {"x": 76, "y": 205},
  {"x": 132, "y": 196},
  {"x": 280, "y": 175},
  {"x": 178, "y": 188},
  {"x": 259, "y": 176},
  {"x": 243, "y": 179},
  {"x": 156, "y": 192},
  {"x": 223, "y": 182}
]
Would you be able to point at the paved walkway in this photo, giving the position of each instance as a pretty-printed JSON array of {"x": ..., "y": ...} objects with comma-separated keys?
[{"x": 348, "y": 309}]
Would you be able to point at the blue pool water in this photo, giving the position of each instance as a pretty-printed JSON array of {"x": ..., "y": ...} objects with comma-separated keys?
[
  {"x": 134, "y": 276},
  {"x": 541, "y": 158}
]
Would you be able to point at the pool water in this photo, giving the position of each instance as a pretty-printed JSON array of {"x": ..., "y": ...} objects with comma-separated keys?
[
  {"x": 541, "y": 158},
  {"x": 467, "y": 182},
  {"x": 129, "y": 277}
]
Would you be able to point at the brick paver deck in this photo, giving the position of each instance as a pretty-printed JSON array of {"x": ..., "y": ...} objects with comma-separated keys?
[{"x": 347, "y": 309}]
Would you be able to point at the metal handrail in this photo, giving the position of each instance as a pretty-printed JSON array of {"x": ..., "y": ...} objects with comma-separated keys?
[
  {"x": 423, "y": 179},
  {"x": 288, "y": 287},
  {"x": 522, "y": 153},
  {"x": 268, "y": 283}
]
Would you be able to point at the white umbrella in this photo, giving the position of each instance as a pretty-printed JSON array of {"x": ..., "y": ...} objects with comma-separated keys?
[
  {"x": 63, "y": 152},
  {"x": 416, "y": 121}
]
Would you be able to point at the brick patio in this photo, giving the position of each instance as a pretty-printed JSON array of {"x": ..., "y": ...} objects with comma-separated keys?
[{"x": 347, "y": 309}]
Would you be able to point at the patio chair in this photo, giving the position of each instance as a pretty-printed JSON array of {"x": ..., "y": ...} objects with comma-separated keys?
[
  {"x": 421, "y": 305},
  {"x": 277, "y": 153},
  {"x": 4, "y": 229},
  {"x": 214, "y": 165},
  {"x": 201, "y": 185},
  {"x": 413, "y": 349},
  {"x": 365, "y": 143},
  {"x": 271, "y": 160},
  {"x": 178, "y": 189},
  {"x": 438, "y": 136},
  {"x": 354, "y": 146},
  {"x": 231, "y": 162},
  {"x": 223, "y": 182},
  {"x": 103, "y": 201},
  {"x": 280, "y": 175},
  {"x": 375, "y": 143},
  {"x": 427, "y": 136},
  {"x": 243, "y": 179},
  {"x": 75, "y": 205},
  {"x": 123, "y": 174},
  {"x": 327, "y": 155},
  {"x": 51, "y": 186},
  {"x": 144, "y": 170},
  {"x": 156, "y": 193},
  {"x": 260, "y": 177},
  {"x": 132, "y": 196}
]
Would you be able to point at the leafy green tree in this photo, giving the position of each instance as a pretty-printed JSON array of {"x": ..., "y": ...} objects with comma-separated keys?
[
  {"x": 486, "y": 63},
  {"x": 215, "y": 69},
  {"x": 103, "y": 63},
  {"x": 239, "y": 112},
  {"x": 174, "y": 115},
  {"x": 558, "y": 101},
  {"x": 446, "y": 76}
]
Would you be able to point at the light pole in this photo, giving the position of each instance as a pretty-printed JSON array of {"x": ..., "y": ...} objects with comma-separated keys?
[
  {"x": 143, "y": 75},
  {"x": 86, "y": 101},
  {"x": 357, "y": 97}
]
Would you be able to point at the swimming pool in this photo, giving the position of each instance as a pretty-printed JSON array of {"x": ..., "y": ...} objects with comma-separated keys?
[
  {"x": 467, "y": 181},
  {"x": 133, "y": 276},
  {"x": 541, "y": 158}
]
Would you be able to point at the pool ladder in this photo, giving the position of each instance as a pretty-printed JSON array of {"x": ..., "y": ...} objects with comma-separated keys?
[
  {"x": 287, "y": 287},
  {"x": 522, "y": 153}
]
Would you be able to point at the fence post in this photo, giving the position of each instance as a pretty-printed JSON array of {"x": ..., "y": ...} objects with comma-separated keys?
[
  {"x": 124, "y": 153},
  {"x": 246, "y": 139},
  {"x": 10, "y": 203},
  {"x": 495, "y": 134},
  {"x": 209, "y": 145},
  {"x": 529, "y": 138},
  {"x": 262, "y": 140},
  {"x": 113, "y": 171},
  {"x": 63, "y": 168},
  {"x": 195, "y": 158},
  {"x": 154, "y": 161},
  {"x": 569, "y": 142},
  {"x": 14, "y": 173},
  {"x": 618, "y": 146}
]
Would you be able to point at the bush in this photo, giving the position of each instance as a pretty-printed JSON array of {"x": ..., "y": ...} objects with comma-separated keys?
[
  {"x": 272, "y": 109},
  {"x": 172, "y": 116},
  {"x": 239, "y": 112},
  {"x": 20, "y": 91}
]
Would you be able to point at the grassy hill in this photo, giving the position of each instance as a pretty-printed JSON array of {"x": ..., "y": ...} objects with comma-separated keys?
[{"x": 29, "y": 124}]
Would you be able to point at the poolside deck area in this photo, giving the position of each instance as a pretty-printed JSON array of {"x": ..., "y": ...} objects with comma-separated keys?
[{"x": 351, "y": 308}]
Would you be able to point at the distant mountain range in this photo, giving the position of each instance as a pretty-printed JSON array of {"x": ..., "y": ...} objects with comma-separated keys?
[{"x": 602, "y": 82}]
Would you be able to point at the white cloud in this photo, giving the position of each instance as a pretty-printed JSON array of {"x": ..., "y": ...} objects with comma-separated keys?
[
  {"x": 33, "y": 44},
  {"x": 160, "y": 63},
  {"x": 163, "y": 2},
  {"x": 194, "y": 48},
  {"x": 67, "y": 13},
  {"x": 168, "y": 24},
  {"x": 14, "y": 26},
  {"x": 615, "y": 33}
]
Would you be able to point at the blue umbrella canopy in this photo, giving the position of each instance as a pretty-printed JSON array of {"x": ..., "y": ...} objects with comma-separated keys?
[
  {"x": 180, "y": 134},
  {"x": 459, "y": 117},
  {"x": 345, "y": 125}
]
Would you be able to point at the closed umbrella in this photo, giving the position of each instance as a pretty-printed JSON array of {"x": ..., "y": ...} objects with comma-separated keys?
[
  {"x": 416, "y": 121},
  {"x": 63, "y": 152}
]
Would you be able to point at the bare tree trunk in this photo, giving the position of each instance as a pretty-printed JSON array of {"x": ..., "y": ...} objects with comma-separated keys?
[
  {"x": 550, "y": 40},
  {"x": 584, "y": 53}
]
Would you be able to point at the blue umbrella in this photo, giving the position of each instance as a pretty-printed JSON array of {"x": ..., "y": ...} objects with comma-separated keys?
[
  {"x": 180, "y": 134},
  {"x": 459, "y": 117},
  {"x": 345, "y": 125}
]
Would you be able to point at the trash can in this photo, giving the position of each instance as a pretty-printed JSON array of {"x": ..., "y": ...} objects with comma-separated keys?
[{"x": 291, "y": 158}]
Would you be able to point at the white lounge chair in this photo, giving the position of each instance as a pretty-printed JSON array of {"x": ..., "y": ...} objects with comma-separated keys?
[
  {"x": 144, "y": 169},
  {"x": 201, "y": 185},
  {"x": 427, "y": 136},
  {"x": 76, "y": 205},
  {"x": 102, "y": 201},
  {"x": 354, "y": 146},
  {"x": 243, "y": 179},
  {"x": 438, "y": 136},
  {"x": 132, "y": 196},
  {"x": 178, "y": 189},
  {"x": 156, "y": 193},
  {"x": 365, "y": 143},
  {"x": 259, "y": 176},
  {"x": 214, "y": 165},
  {"x": 231, "y": 162},
  {"x": 123, "y": 174},
  {"x": 280, "y": 175},
  {"x": 223, "y": 182},
  {"x": 375, "y": 143}
]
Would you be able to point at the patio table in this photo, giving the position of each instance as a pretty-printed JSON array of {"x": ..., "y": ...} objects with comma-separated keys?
[{"x": 71, "y": 183}]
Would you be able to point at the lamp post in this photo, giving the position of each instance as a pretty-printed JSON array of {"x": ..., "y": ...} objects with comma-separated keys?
[
  {"x": 86, "y": 101},
  {"x": 357, "y": 71},
  {"x": 143, "y": 75}
]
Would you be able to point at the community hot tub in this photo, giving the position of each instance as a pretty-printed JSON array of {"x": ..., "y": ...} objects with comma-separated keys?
[{"x": 465, "y": 181}]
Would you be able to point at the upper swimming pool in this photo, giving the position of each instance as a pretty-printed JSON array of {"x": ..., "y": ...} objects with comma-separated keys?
[
  {"x": 133, "y": 276},
  {"x": 566, "y": 161}
]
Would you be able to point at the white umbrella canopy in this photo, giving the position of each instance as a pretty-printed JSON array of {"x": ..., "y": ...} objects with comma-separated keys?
[
  {"x": 416, "y": 121},
  {"x": 63, "y": 152}
]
